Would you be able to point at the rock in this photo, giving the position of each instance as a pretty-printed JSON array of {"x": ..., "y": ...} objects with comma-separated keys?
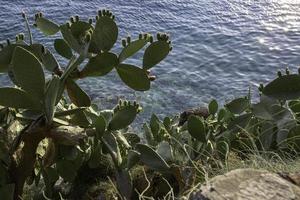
[
  {"x": 201, "y": 112},
  {"x": 249, "y": 184}
]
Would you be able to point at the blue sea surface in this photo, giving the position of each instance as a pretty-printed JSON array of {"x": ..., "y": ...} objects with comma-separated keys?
[{"x": 220, "y": 47}]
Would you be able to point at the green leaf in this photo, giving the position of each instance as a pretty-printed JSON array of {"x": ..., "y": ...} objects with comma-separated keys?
[
  {"x": 44, "y": 55},
  {"x": 165, "y": 150},
  {"x": 100, "y": 124},
  {"x": 109, "y": 140},
  {"x": 72, "y": 66},
  {"x": 6, "y": 56},
  {"x": 100, "y": 65},
  {"x": 213, "y": 107},
  {"x": 122, "y": 118},
  {"x": 77, "y": 95},
  {"x": 152, "y": 159},
  {"x": 62, "y": 48},
  {"x": 7, "y": 191},
  {"x": 28, "y": 73},
  {"x": 106, "y": 33},
  {"x": 134, "y": 77},
  {"x": 239, "y": 105},
  {"x": 155, "y": 53},
  {"x": 222, "y": 149},
  {"x": 16, "y": 98},
  {"x": 267, "y": 135},
  {"x": 132, "y": 159},
  {"x": 239, "y": 122},
  {"x": 148, "y": 135},
  {"x": 51, "y": 97},
  {"x": 49, "y": 61},
  {"x": 286, "y": 87},
  {"x": 46, "y": 26},
  {"x": 80, "y": 119},
  {"x": 124, "y": 183},
  {"x": 79, "y": 29},
  {"x": 196, "y": 128},
  {"x": 132, "y": 48},
  {"x": 69, "y": 38},
  {"x": 155, "y": 126}
]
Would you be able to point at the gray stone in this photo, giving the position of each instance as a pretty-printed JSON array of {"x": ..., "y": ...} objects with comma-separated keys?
[{"x": 247, "y": 184}]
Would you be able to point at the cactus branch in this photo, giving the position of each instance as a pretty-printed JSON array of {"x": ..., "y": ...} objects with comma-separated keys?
[{"x": 28, "y": 27}]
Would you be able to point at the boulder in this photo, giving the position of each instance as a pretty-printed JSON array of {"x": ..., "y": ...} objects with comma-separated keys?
[{"x": 248, "y": 184}]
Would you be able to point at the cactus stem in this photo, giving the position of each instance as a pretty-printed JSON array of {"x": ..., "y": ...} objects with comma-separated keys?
[{"x": 27, "y": 27}]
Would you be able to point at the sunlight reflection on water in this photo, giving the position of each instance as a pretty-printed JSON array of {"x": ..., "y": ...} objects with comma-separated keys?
[{"x": 220, "y": 46}]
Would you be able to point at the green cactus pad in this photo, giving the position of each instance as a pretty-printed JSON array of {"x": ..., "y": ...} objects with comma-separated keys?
[
  {"x": 196, "y": 128},
  {"x": 51, "y": 97},
  {"x": 133, "y": 158},
  {"x": 100, "y": 65},
  {"x": 106, "y": 33},
  {"x": 155, "y": 53},
  {"x": 134, "y": 77},
  {"x": 286, "y": 87},
  {"x": 46, "y": 26},
  {"x": 213, "y": 107},
  {"x": 69, "y": 38},
  {"x": 132, "y": 48},
  {"x": 6, "y": 56},
  {"x": 239, "y": 105},
  {"x": 152, "y": 159},
  {"x": 122, "y": 118},
  {"x": 62, "y": 48},
  {"x": 79, "y": 29},
  {"x": 77, "y": 95},
  {"x": 110, "y": 142},
  {"x": 44, "y": 55},
  {"x": 10, "y": 97},
  {"x": 100, "y": 124},
  {"x": 148, "y": 135},
  {"x": 28, "y": 73}
]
